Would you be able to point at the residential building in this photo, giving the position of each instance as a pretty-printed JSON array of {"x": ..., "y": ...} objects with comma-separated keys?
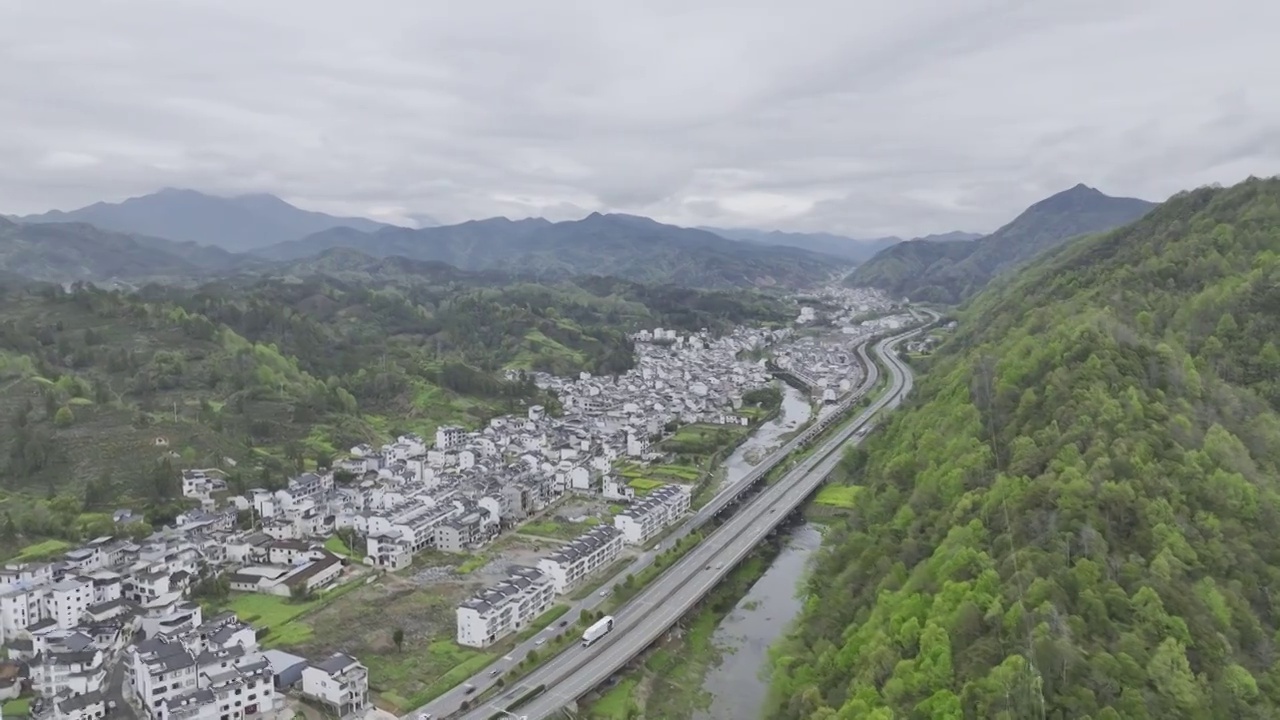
[
  {"x": 339, "y": 682},
  {"x": 504, "y": 608},
  {"x": 575, "y": 561},
  {"x": 647, "y": 517}
]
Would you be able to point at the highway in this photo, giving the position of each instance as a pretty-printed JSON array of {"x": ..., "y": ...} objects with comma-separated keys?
[
  {"x": 449, "y": 703},
  {"x": 663, "y": 602}
]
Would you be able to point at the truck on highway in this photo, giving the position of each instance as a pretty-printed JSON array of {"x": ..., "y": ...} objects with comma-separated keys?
[{"x": 597, "y": 631}]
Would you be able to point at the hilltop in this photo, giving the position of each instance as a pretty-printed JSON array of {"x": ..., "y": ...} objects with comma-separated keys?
[
  {"x": 235, "y": 223},
  {"x": 1075, "y": 516},
  {"x": 66, "y": 252},
  {"x": 951, "y": 271},
  {"x": 625, "y": 246}
]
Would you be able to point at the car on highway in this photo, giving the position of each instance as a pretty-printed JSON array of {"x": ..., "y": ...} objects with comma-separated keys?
[
  {"x": 424, "y": 716},
  {"x": 493, "y": 673},
  {"x": 563, "y": 623},
  {"x": 604, "y": 592},
  {"x": 468, "y": 689},
  {"x": 539, "y": 641},
  {"x": 719, "y": 566}
]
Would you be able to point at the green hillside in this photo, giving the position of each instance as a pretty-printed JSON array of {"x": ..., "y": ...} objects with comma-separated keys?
[
  {"x": 1076, "y": 516},
  {"x": 104, "y": 394},
  {"x": 950, "y": 272}
]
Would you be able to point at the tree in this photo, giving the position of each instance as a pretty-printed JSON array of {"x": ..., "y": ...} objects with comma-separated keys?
[
  {"x": 63, "y": 418},
  {"x": 397, "y": 637}
]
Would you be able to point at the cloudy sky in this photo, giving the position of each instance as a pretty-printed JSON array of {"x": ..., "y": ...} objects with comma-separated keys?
[{"x": 864, "y": 117}]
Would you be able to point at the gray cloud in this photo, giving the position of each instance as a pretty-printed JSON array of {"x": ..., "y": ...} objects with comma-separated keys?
[{"x": 868, "y": 118}]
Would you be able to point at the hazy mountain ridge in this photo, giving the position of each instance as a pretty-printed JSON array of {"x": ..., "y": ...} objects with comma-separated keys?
[
  {"x": 65, "y": 252},
  {"x": 624, "y": 246},
  {"x": 949, "y": 272},
  {"x": 854, "y": 249},
  {"x": 235, "y": 223}
]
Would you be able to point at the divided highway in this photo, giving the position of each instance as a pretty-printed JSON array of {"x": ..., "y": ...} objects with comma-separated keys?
[
  {"x": 449, "y": 703},
  {"x": 663, "y": 602}
]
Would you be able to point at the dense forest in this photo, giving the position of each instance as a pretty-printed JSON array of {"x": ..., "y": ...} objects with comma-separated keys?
[
  {"x": 1075, "y": 516},
  {"x": 269, "y": 376}
]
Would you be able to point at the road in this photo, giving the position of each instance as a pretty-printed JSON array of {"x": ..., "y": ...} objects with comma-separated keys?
[
  {"x": 663, "y": 602},
  {"x": 449, "y": 703}
]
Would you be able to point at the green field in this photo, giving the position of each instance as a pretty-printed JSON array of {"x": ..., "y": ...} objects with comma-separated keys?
[
  {"x": 335, "y": 545},
  {"x": 838, "y": 496},
  {"x": 557, "y": 529},
  {"x": 41, "y": 551},
  {"x": 644, "y": 486}
]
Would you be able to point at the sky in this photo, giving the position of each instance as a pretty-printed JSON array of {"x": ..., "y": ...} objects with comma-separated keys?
[{"x": 860, "y": 117}]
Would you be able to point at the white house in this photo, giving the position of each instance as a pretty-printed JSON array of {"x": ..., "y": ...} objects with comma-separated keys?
[
  {"x": 646, "y": 518},
  {"x": 575, "y": 561},
  {"x": 504, "y": 608},
  {"x": 338, "y": 682}
]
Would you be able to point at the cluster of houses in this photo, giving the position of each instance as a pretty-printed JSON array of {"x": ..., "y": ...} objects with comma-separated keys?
[
  {"x": 112, "y": 622},
  {"x": 512, "y": 604}
]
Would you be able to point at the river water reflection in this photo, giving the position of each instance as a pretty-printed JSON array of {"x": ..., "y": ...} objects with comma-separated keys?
[
  {"x": 739, "y": 684},
  {"x": 794, "y": 412}
]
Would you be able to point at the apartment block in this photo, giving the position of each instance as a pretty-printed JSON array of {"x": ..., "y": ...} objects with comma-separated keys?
[
  {"x": 594, "y": 550},
  {"x": 504, "y": 608},
  {"x": 648, "y": 517}
]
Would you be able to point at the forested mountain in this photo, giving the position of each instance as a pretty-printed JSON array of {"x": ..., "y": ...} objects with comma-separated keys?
[
  {"x": 64, "y": 252},
  {"x": 838, "y": 245},
  {"x": 1075, "y": 517},
  {"x": 236, "y": 223},
  {"x": 282, "y": 373},
  {"x": 949, "y": 272},
  {"x": 625, "y": 246}
]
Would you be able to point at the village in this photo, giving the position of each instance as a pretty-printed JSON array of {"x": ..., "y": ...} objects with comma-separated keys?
[{"x": 193, "y": 622}]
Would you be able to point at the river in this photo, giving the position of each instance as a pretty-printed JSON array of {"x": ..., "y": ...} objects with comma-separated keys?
[
  {"x": 739, "y": 684},
  {"x": 794, "y": 412}
]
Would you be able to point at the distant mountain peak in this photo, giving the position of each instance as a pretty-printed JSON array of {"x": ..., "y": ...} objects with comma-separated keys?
[
  {"x": 234, "y": 223},
  {"x": 1072, "y": 199}
]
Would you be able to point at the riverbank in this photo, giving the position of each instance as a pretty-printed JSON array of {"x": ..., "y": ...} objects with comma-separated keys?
[
  {"x": 667, "y": 681},
  {"x": 712, "y": 667}
]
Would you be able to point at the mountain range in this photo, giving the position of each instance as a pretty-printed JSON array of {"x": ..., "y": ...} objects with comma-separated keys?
[
  {"x": 183, "y": 234},
  {"x": 948, "y": 272},
  {"x": 237, "y": 224},
  {"x": 842, "y": 246},
  {"x": 626, "y": 246}
]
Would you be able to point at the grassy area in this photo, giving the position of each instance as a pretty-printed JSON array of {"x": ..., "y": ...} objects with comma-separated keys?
[
  {"x": 17, "y": 706},
  {"x": 279, "y": 616},
  {"x": 473, "y": 563},
  {"x": 557, "y": 529},
  {"x": 617, "y": 704},
  {"x": 42, "y": 550},
  {"x": 336, "y": 546},
  {"x": 703, "y": 438},
  {"x": 643, "y": 486},
  {"x": 838, "y": 496},
  {"x": 428, "y": 662}
]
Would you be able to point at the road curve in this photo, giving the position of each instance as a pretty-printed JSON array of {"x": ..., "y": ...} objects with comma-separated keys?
[
  {"x": 449, "y": 703},
  {"x": 663, "y": 602}
]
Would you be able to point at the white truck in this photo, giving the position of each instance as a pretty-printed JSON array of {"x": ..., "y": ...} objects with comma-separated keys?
[{"x": 597, "y": 631}]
